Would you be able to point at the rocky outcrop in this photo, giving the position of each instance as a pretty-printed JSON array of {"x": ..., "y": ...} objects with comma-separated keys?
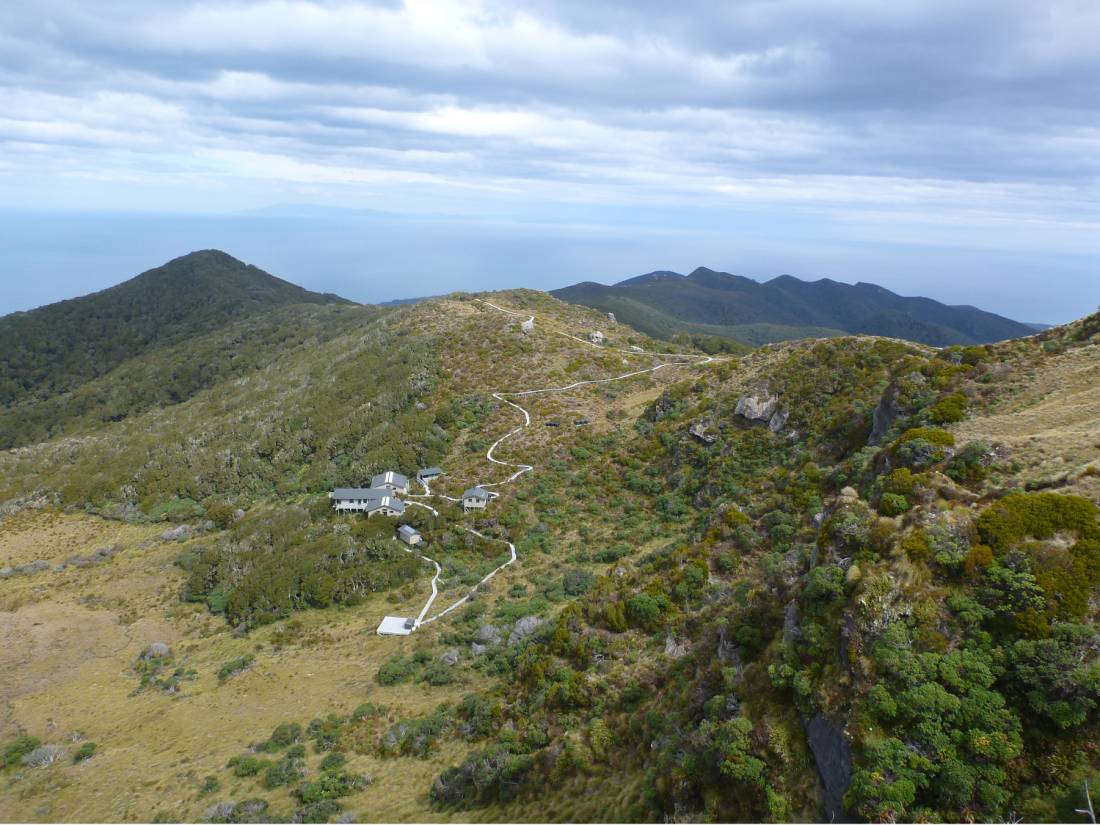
[
  {"x": 763, "y": 408},
  {"x": 157, "y": 650},
  {"x": 778, "y": 420},
  {"x": 181, "y": 533},
  {"x": 833, "y": 758},
  {"x": 792, "y": 622},
  {"x": 487, "y": 634},
  {"x": 524, "y": 628},
  {"x": 886, "y": 412},
  {"x": 756, "y": 408},
  {"x": 27, "y": 569},
  {"x": 97, "y": 556},
  {"x": 699, "y": 431},
  {"x": 675, "y": 648},
  {"x": 450, "y": 657}
]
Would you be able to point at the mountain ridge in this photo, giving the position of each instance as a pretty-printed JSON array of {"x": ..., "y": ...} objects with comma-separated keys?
[{"x": 730, "y": 305}]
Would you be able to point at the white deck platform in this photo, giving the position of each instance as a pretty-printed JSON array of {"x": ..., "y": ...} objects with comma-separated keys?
[{"x": 394, "y": 626}]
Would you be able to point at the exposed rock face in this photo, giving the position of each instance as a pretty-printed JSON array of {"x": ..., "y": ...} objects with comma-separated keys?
[
  {"x": 833, "y": 758},
  {"x": 778, "y": 420},
  {"x": 763, "y": 407},
  {"x": 527, "y": 326},
  {"x": 611, "y": 318},
  {"x": 792, "y": 623},
  {"x": 596, "y": 337},
  {"x": 180, "y": 533},
  {"x": 487, "y": 634},
  {"x": 450, "y": 657},
  {"x": 727, "y": 652},
  {"x": 524, "y": 628},
  {"x": 157, "y": 650},
  {"x": 674, "y": 648},
  {"x": 477, "y": 649},
  {"x": 885, "y": 414},
  {"x": 97, "y": 556},
  {"x": 756, "y": 408},
  {"x": 699, "y": 431}
]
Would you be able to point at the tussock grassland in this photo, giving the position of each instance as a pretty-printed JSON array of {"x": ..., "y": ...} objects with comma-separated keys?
[
  {"x": 68, "y": 641},
  {"x": 1050, "y": 420}
]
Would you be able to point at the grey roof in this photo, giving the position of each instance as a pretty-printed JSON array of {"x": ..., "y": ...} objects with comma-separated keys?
[
  {"x": 408, "y": 530},
  {"x": 393, "y": 502},
  {"x": 476, "y": 492},
  {"x": 389, "y": 477},
  {"x": 430, "y": 471},
  {"x": 356, "y": 493}
]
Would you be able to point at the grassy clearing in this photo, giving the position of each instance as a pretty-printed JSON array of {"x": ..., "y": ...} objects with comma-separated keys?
[{"x": 66, "y": 655}]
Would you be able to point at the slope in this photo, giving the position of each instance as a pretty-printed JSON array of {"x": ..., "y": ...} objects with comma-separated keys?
[
  {"x": 57, "y": 348},
  {"x": 753, "y": 588},
  {"x": 662, "y": 303}
]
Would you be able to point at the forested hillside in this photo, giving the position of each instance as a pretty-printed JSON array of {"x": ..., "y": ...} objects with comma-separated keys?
[
  {"x": 58, "y": 348},
  {"x": 785, "y": 308},
  {"x": 847, "y": 578}
]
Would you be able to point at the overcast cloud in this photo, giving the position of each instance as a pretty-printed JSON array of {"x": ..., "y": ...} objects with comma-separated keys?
[{"x": 850, "y": 139}]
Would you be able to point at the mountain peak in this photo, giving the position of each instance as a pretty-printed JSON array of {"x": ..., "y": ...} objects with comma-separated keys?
[
  {"x": 652, "y": 278},
  {"x": 189, "y": 296}
]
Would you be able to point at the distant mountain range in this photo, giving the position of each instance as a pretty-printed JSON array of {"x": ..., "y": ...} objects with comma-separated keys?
[{"x": 706, "y": 302}]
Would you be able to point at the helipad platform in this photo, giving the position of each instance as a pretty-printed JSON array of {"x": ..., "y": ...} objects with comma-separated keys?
[{"x": 396, "y": 626}]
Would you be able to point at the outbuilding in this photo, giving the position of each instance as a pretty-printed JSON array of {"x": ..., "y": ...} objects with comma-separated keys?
[
  {"x": 409, "y": 534},
  {"x": 428, "y": 473},
  {"x": 475, "y": 499}
]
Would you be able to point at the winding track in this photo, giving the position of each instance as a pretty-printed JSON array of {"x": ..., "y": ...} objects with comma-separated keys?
[{"x": 526, "y": 468}]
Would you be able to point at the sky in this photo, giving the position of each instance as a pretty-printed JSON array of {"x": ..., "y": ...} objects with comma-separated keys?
[{"x": 393, "y": 149}]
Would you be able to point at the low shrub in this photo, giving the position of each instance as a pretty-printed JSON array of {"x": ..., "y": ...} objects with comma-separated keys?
[
  {"x": 892, "y": 504},
  {"x": 15, "y": 750},
  {"x": 235, "y": 666},
  {"x": 84, "y": 752},
  {"x": 283, "y": 772},
  {"x": 330, "y": 785},
  {"x": 247, "y": 765},
  {"x": 950, "y": 409}
]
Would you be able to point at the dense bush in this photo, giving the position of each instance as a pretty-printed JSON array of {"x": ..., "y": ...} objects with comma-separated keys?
[
  {"x": 949, "y": 409},
  {"x": 1036, "y": 515}
]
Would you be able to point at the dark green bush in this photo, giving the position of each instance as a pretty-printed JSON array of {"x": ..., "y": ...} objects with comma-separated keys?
[
  {"x": 283, "y": 772},
  {"x": 330, "y": 785},
  {"x": 85, "y": 751},
  {"x": 235, "y": 666},
  {"x": 17, "y": 748},
  {"x": 247, "y": 765}
]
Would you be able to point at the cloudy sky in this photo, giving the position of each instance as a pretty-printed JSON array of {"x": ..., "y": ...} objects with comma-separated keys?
[{"x": 387, "y": 149}]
